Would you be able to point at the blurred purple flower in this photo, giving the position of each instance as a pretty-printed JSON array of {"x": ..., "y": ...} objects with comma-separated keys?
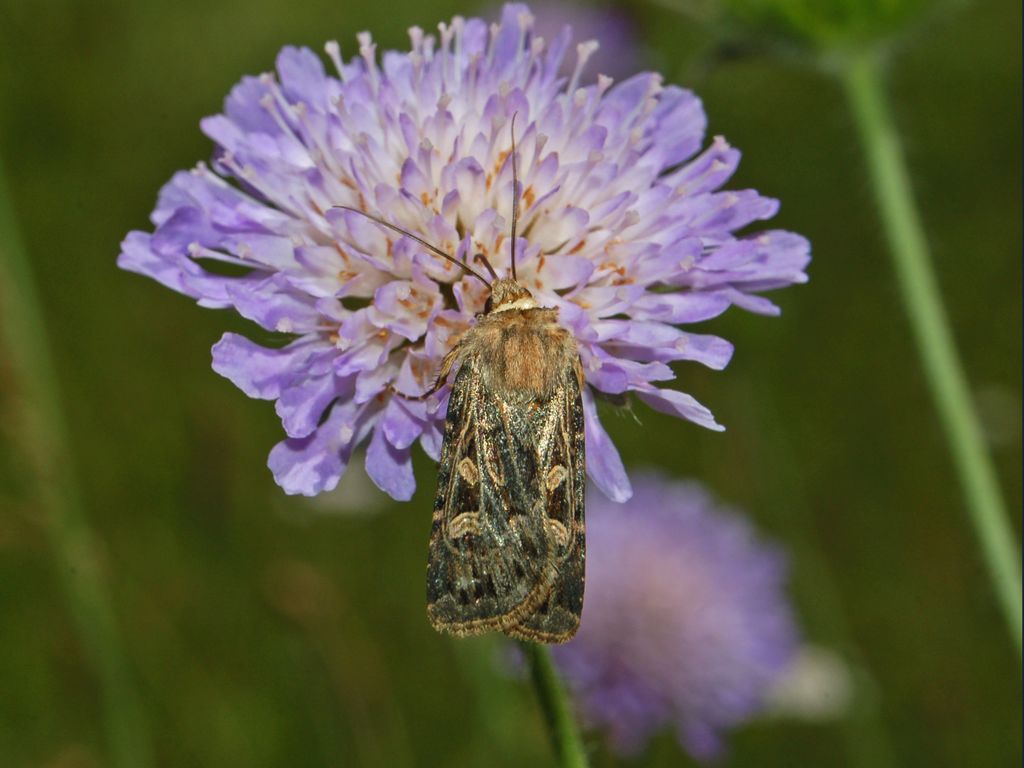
[
  {"x": 619, "y": 53},
  {"x": 686, "y": 621},
  {"x": 623, "y": 231}
]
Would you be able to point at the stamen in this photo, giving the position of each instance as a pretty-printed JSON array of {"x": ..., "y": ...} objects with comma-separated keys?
[
  {"x": 583, "y": 53},
  {"x": 415, "y": 38},
  {"x": 333, "y": 51},
  {"x": 368, "y": 50}
]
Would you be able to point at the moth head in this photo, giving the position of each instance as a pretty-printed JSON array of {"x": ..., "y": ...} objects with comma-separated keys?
[{"x": 506, "y": 293}]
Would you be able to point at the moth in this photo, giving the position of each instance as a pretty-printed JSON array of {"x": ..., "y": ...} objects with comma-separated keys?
[{"x": 507, "y": 540}]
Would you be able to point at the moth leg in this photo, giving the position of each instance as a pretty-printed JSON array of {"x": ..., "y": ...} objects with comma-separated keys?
[{"x": 442, "y": 377}]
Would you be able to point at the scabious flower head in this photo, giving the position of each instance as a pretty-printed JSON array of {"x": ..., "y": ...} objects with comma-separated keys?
[
  {"x": 623, "y": 229},
  {"x": 686, "y": 622}
]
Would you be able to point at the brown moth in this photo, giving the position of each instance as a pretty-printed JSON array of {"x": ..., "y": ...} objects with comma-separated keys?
[{"x": 507, "y": 542}]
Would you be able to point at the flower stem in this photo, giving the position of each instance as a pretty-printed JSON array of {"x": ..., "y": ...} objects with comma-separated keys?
[
  {"x": 862, "y": 79},
  {"x": 40, "y": 433},
  {"x": 555, "y": 704}
]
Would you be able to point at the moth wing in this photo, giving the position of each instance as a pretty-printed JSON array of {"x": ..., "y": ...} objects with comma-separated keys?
[
  {"x": 488, "y": 564},
  {"x": 563, "y": 472}
]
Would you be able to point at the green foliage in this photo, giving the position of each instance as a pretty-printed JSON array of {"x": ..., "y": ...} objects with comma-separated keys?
[{"x": 829, "y": 24}]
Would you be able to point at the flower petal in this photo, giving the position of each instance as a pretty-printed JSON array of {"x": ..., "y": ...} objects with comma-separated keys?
[
  {"x": 315, "y": 463},
  {"x": 274, "y": 306},
  {"x": 302, "y": 405},
  {"x": 398, "y": 424},
  {"x": 604, "y": 466},
  {"x": 389, "y": 467},
  {"x": 679, "y": 404},
  {"x": 302, "y": 76},
  {"x": 262, "y": 372}
]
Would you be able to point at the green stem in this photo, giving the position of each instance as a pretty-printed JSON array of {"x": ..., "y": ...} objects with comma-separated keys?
[
  {"x": 41, "y": 435},
  {"x": 862, "y": 79},
  {"x": 555, "y": 704}
]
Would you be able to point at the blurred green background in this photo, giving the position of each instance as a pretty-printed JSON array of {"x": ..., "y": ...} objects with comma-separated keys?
[{"x": 263, "y": 630}]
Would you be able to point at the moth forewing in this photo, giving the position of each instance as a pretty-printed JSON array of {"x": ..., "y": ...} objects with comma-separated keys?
[
  {"x": 485, "y": 567},
  {"x": 507, "y": 543},
  {"x": 564, "y": 474}
]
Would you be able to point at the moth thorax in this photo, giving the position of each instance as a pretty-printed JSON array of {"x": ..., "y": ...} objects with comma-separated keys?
[{"x": 506, "y": 293}]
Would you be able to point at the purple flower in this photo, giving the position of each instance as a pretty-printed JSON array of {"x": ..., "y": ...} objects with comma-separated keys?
[
  {"x": 686, "y": 622},
  {"x": 624, "y": 230}
]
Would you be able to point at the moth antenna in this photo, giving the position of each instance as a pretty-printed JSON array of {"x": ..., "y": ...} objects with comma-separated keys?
[
  {"x": 483, "y": 259},
  {"x": 432, "y": 248},
  {"x": 515, "y": 195}
]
